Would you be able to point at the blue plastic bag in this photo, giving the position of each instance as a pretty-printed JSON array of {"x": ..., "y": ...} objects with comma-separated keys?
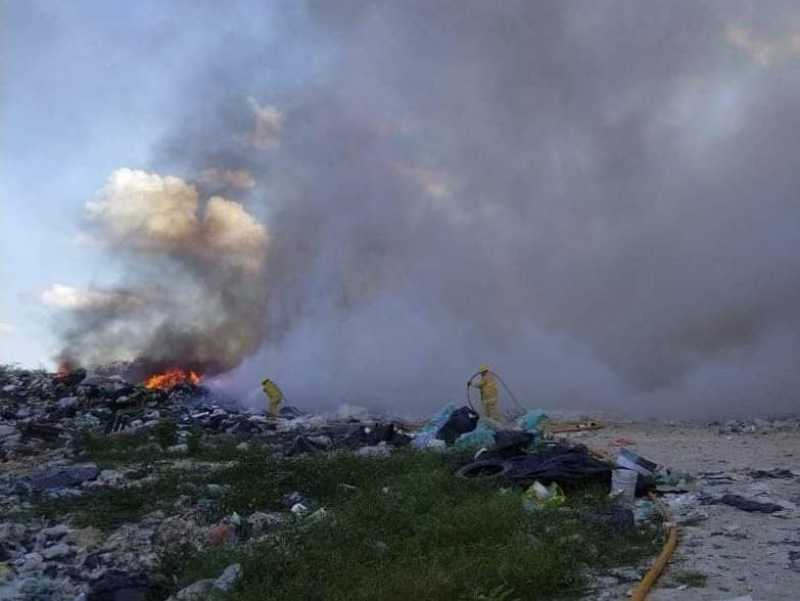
[
  {"x": 429, "y": 430},
  {"x": 531, "y": 421},
  {"x": 481, "y": 436}
]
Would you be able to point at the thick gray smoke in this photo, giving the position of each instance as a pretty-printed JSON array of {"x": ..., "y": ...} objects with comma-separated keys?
[{"x": 597, "y": 198}]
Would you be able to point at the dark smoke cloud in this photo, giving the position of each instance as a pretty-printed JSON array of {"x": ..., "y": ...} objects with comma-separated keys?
[{"x": 598, "y": 198}]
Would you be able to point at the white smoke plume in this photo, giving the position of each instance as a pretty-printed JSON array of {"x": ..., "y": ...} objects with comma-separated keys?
[{"x": 196, "y": 279}]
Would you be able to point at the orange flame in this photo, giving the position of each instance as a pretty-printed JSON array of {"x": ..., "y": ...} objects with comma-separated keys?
[
  {"x": 64, "y": 368},
  {"x": 171, "y": 378}
]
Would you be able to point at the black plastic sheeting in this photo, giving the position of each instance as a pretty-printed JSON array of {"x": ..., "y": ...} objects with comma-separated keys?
[
  {"x": 748, "y": 505},
  {"x": 568, "y": 466},
  {"x": 509, "y": 443},
  {"x": 460, "y": 422}
]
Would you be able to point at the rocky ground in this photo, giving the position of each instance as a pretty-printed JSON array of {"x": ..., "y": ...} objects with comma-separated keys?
[
  {"x": 164, "y": 473},
  {"x": 53, "y": 430}
]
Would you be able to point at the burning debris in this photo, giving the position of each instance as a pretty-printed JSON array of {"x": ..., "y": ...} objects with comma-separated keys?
[{"x": 172, "y": 378}]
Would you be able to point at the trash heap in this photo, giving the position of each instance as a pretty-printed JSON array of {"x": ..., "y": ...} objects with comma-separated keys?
[
  {"x": 45, "y": 417},
  {"x": 42, "y": 412}
]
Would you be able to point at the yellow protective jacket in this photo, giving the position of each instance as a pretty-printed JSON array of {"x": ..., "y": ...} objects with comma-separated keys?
[
  {"x": 488, "y": 389},
  {"x": 274, "y": 395}
]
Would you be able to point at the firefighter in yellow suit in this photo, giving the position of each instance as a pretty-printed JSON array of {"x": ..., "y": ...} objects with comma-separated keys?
[
  {"x": 487, "y": 385},
  {"x": 274, "y": 396}
]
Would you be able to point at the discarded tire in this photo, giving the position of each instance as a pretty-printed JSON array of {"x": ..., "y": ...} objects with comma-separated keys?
[
  {"x": 565, "y": 465},
  {"x": 484, "y": 470}
]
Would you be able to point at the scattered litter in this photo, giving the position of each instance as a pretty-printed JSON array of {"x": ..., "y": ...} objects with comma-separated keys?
[
  {"x": 539, "y": 496},
  {"x": 428, "y": 432},
  {"x": 568, "y": 427},
  {"x": 623, "y": 485},
  {"x": 670, "y": 481},
  {"x": 509, "y": 443},
  {"x": 774, "y": 474},
  {"x": 481, "y": 436},
  {"x": 532, "y": 421},
  {"x": 749, "y": 505},
  {"x": 629, "y": 460}
]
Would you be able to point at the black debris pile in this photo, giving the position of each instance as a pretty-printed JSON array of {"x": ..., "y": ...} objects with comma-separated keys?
[
  {"x": 749, "y": 505},
  {"x": 568, "y": 466},
  {"x": 460, "y": 422}
]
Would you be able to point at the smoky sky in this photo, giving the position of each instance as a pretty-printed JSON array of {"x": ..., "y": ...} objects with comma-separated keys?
[{"x": 597, "y": 198}]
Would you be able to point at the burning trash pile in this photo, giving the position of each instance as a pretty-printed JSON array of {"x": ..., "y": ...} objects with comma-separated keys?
[
  {"x": 45, "y": 421},
  {"x": 41, "y": 411},
  {"x": 188, "y": 469}
]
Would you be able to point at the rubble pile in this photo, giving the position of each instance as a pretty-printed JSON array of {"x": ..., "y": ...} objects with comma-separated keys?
[
  {"x": 41, "y": 412},
  {"x": 44, "y": 420}
]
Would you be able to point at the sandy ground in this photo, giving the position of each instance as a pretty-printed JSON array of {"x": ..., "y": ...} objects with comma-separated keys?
[{"x": 740, "y": 553}]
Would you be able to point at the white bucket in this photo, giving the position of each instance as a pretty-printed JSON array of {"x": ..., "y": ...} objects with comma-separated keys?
[
  {"x": 623, "y": 485},
  {"x": 632, "y": 461}
]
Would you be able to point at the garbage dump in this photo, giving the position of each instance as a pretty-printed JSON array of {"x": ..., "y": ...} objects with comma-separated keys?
[{"x": 45, "y": 417}]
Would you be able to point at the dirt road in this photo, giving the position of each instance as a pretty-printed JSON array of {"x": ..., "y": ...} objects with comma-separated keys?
[{"x": 724, "y": 552}]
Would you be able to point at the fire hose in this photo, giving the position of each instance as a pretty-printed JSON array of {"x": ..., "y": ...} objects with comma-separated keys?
[{"x": 642, "y": 590}]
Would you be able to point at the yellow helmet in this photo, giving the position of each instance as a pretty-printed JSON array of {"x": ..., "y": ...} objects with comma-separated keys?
[{"x": 483, "y": 368}]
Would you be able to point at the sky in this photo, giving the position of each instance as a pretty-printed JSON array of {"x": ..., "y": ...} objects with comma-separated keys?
[
  {"x": 367, "y": 199},
  {"x": 87, "y": 87}
]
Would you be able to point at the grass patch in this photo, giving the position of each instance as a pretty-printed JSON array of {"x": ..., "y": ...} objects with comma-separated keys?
[
  {"x": 116, "y": 449},
  {"x": 110, "y": 508},
  {"x": 409, "y": 530},
  {"x": 403, "y": 528}
]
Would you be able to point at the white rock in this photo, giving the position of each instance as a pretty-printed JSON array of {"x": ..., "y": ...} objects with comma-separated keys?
[
  {"x": 178, "y": 448},
  {"x": 56, "y": 531},
  {"x": 299, "y": 509},
  {"x": 195, "y": 592},
  {"x": 228, "y": 578},
  {"x": 110, "y": 477},
  {"x": 381, "y": 450},
  {"x": 58, "y": 551},
  {"x": 31, "y": 561},
  {"x": 68, "y": 402}
]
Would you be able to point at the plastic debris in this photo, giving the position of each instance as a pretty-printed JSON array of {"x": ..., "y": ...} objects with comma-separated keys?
[
  {"x": 558, "y": 463},
  {"x": 749, "y": 505},
  {"x": 429, "y": 430},
  {"x": 623, "y": 485},
  {"x": 539, "y": 496},
  {"x": 460, "y": 421},
  {"x": 481, "y": 436},
  {"x": 532, "y": 420},
  {"x": 629, "y": 460}
]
